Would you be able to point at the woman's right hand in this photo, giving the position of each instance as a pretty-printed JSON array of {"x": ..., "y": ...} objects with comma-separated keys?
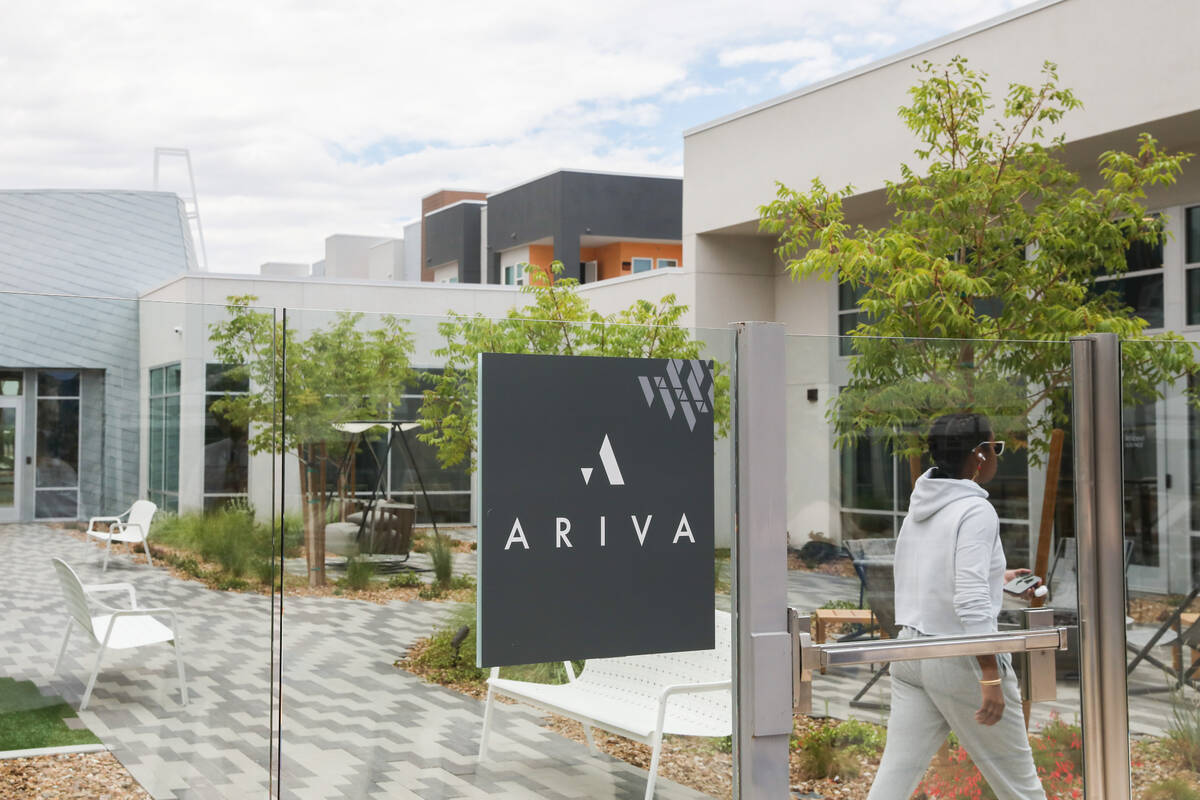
[{"x": 991, "y": 709}]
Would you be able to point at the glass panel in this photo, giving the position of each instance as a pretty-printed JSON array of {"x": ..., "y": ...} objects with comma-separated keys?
[
  {"x": 1192, "y": 235},
  {"x": 10, "y": 383},
  {"x": 1193, "y": 297},
  {"x": 1139, "y": 424},
  {"x": 58, "y": 383},
  {"x": 642, "y": 264},
  {"x": 1142, "y": 293},
  {"x": 56, "y": 504},
  {"x": 8, "y": 457},
  {"x": 226, "y": 452},
  {"x": 57, "y": 443},
  {"x": 157, "y": 440},
  {"x": 96, "y": 453},
  {"x": 871, "y": 556},
  {"x": 1163, "y": 576},
  {"x": 226, "y": 378},
  {"x": 171, "y": 444},
  {"x": 433, "y": 600}
]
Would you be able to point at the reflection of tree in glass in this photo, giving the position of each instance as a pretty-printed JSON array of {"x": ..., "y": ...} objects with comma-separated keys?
[
  {"x": 347, "y": 370},
  {"x": 994, "y": 242},
  {"x": 557, "y": 322}
]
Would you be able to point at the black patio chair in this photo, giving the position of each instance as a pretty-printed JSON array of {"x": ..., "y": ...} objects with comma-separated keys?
[{"x": 874, "y": 561}]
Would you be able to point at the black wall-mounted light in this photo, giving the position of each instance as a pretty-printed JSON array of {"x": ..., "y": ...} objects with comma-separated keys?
[{"x": 812, "y": 395}]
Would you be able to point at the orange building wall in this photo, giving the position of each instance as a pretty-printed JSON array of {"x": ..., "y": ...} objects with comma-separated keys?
[{"x": 610, "y": 257}]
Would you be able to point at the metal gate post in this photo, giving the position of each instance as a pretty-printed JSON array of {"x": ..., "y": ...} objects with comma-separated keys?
[
  {"x": 762, "y": 663},
  {"x": 1099, "y": 526}
]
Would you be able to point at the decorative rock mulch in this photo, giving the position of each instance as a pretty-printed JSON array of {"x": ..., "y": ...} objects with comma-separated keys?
[{"x": 76, "y": 776}]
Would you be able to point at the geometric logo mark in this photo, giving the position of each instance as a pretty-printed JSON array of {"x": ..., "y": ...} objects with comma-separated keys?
[
  {"x": 608, "y": 459},
  {"x": 687, "y": 387}
]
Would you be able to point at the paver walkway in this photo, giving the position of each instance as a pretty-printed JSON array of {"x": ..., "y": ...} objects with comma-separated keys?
[{"x": 354, "y": 726}]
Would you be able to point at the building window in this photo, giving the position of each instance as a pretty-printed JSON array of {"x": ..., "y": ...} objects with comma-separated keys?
[
  {"x": 876, "y": 487},
  {"x": 164, "y": 437},
  {"x": 848, "y": 316},
  {"x": 1191, "y": 257},
  {"x": 664, "y": 263},
  {"x": 642, "y": 264},
  {"x": 10, "y": 383},
  {"x": 56, "y": 485},
  {"x": 448, "y": 488},
  {"x": 226, "y": 444},
  {"x": 1141, "y": 287}
]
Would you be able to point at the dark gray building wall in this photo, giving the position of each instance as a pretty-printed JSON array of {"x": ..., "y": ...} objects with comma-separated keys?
[
  {"x": 452, "y": 234},
  {"x": 567, "y": 205}
]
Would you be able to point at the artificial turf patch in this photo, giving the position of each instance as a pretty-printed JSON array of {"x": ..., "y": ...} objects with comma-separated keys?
[{"x": 29, "y": 719}]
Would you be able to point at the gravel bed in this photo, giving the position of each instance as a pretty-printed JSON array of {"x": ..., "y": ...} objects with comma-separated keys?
[{"x": 74, "y": 776}]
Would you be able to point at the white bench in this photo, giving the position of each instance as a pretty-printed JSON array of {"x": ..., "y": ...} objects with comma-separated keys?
[{"x": 639, "y": 697}]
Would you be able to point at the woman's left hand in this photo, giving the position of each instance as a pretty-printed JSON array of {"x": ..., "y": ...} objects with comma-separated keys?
[{"x": 1009, "y": 574}]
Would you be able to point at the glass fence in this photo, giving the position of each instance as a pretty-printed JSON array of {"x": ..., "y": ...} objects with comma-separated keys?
[
  {"x": 1161, "y": 442},
  {"x": 918, "y": 473},
  {"x": 295, "y": 502}
]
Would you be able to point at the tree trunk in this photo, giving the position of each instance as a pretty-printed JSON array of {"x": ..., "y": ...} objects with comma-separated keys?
[{"x": 314, "y": 519}]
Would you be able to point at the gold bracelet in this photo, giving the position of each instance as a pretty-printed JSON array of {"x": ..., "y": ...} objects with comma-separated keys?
[{"x": 993, "y": 682}]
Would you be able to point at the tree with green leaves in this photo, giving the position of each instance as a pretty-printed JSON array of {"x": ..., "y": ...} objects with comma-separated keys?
[
  {"x": 341, "y": 372},
  {"x": 558, "y": 321},
  {"x": 993, "y": 242}
]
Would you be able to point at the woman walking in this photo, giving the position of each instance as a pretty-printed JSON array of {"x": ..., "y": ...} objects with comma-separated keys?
[{"x": 950, "y": 572}]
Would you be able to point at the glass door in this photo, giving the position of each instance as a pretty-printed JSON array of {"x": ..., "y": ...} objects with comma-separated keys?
[{"x": 10, "y": 457}]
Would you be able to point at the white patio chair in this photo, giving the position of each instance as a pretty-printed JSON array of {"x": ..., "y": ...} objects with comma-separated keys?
[
  {"x": 116, "y": 629},
  {"x": 133, "y": 526}
]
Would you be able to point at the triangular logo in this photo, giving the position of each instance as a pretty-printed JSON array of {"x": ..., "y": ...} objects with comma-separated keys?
[{"x": 587, "y": 474}]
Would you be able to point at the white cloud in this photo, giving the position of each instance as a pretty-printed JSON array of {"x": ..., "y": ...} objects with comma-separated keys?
[
  {"x": 471, "y": 93},
  {"x": 792, "y": 50}
]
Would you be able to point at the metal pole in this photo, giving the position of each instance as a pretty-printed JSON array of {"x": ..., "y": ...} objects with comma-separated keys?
[
  {"x": 1099, "y": 526},
  {"x": 1110, "y": 562},
  {"x": 762, "y": 666}
]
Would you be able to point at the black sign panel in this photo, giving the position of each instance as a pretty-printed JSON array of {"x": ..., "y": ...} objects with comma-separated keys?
[{"x": 596, "y": 520}]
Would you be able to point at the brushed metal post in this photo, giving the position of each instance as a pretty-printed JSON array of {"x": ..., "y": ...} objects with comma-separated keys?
[
  {"x": 762, "y": 664},
  {"x": 1085, "y": 542},
  {"x": 1109, "y": 559},
  {"x": 1099, "y": 524},
  {"x": 1039, "y": 683}
]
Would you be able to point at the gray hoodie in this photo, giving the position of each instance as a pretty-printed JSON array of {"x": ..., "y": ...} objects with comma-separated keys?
[{"x": 949, "y": 561}]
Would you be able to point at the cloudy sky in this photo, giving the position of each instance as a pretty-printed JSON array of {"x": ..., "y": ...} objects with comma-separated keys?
[{"x": 311, "y": 118}]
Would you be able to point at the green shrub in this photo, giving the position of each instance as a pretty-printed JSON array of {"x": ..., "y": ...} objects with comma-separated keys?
[
  {"x": 1183, "y": 731},
  {"x": 860, "y": 737},
  {"x": 831, "y": 751},
  {"x": 405, "y": 579},
  {"x": 442, "y": 553},
  {"x": 228, "y": 536},
  {"x": 264, "y": 571},
  {"x": 1171, "y": 789},
  {"x": 440, "y": 659},
  {"x": 358, "y": 574},
  {"x": 444, "y": 667}
]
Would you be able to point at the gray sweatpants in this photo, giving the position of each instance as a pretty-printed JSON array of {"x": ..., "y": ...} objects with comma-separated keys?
[{"x": 930, "y": 698}]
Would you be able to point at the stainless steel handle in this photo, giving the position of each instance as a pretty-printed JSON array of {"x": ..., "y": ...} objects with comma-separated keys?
[{"x": 1037, "y": 638}]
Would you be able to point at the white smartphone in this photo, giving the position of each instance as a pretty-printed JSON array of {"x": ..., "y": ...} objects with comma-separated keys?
[{"x": 1022, "y": 583}]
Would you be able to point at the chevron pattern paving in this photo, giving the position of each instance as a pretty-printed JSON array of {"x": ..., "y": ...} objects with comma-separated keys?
[{"x": 353, "y": 725}]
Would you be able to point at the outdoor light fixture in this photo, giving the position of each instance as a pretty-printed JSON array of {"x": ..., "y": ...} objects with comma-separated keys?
[{"x": 812, "y": 395}]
